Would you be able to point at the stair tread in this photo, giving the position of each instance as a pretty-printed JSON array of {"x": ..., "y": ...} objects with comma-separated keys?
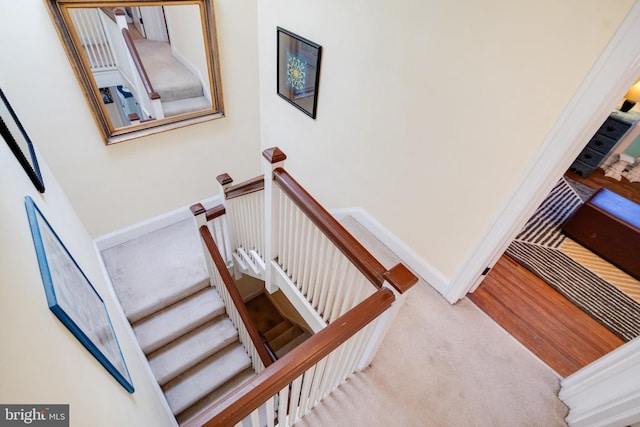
[
  {"x": 170, "y": 78},
  {"x": 205, "y": 377},
  {"x": 157, "y": 269},
  {"x": 176, "y": 357},
  {"x": 285, "y": 337},
  {"x": 277, "y": 330},
  {"x": 292, "y": 344},
  {"x": 214, "y": 396},
  {"x": 174, "y": 321},
  {"x": 185, "y": 105}
]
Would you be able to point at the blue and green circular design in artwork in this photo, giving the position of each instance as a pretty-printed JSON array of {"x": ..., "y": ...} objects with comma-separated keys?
[{"x": 296, "y": 72}]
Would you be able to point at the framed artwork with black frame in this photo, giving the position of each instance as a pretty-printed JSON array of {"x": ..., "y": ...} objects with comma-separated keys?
[
  {"x": 298, "y": 71},
  {"x": 72, "y": 298},
  {"x": 18, "y": 141}
]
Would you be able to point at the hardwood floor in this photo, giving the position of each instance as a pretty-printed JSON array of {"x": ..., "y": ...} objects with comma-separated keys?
[{"x": 545, "y": 322}]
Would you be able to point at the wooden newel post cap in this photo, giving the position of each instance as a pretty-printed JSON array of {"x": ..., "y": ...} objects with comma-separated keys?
[
  {"x": 197, "y": 209},
  {"x": 274, "y": 155},
  {"x": 400, "y": 277},
  {"x": 224, "y": 179}
]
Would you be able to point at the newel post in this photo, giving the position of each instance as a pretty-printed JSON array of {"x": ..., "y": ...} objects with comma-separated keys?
[
  {"x": 272, "y": 158},
  {"x": 399, "y": 280},
  {"x": 200, "y": 217},
  {"x": 224, "y": 182}
]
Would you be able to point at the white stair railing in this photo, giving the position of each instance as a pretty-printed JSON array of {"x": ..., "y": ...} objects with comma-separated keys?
[
  {"x": 245, "y": 209},
  {"x": 221, "y": 280},
  {"x": 346, "y": 296},
  {"x": 94, "y": 39},
  {"x": 317, "y": 268}
]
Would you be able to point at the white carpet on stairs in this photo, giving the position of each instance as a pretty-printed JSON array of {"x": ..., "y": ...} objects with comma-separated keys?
[
  {"x": 169, "y": 77},
  {"x": 157, "y": 269}
]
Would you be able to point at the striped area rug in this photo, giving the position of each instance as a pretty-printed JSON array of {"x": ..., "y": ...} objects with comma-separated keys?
[{"x": 544, "y": 250}]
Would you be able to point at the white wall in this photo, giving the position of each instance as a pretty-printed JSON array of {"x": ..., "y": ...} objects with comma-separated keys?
[
  {"x": 187, "y": 38},
  {"x": 112, "y": 187},
  {"x": 429, "y": 112},
  {"x": 41, "y": 362}
]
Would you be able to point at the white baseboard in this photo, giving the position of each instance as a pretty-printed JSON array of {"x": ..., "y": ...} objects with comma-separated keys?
[
  {"x": 418, "y": 265},
  {"x": 149, "y": 225}
]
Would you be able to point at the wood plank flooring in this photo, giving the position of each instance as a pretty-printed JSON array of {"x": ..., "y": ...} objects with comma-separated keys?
[{"x": 545, "y": 322}]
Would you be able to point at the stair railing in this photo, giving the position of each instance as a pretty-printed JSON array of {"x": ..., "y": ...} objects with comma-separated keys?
[
  {"x": 148, "y": 97},
  {"x": 315, "y": 261},
  {"x": 244, "y": 204},
  {"x": 222, "y": 281},
  {"x": 94, "y": 39}
]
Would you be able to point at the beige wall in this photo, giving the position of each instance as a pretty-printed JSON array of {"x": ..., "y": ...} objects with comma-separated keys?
[
  {"x": 112, "y": 187},
  {"x": 41, "y": 362},
  {"x": 429, "y": 112}
]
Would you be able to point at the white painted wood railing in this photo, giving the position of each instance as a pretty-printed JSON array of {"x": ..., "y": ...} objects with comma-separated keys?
[
  {"x": 300, "y": 258},
  {"x": 292, "y": 386},
  {"x": 347, "y": 297},
  {"x": 317, "y": 268},
  {"x": 222, "y": 281},
  {"x": 112, "y": 56},
  {"x": 244, "y": 204},
  {"x": 94, "y": 39}
]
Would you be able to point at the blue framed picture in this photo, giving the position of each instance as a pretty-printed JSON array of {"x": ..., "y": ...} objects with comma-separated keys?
[
  {"x": 73, "y": 299},
  {"x": 298, "y": 71}
]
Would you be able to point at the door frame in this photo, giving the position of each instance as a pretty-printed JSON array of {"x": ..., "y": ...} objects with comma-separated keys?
[{"x": 617, "y": 68}]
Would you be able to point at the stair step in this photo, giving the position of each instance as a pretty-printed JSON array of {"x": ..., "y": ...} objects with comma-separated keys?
[
  {"x": 286, "y": 337},
  {"x": 205, "y": 377},
  {"x": 185, "y": 105},
  {"x": 157, "y": 269},
  {"x": 176, "y": 357},
  {"x": 277, "y": 330},
  {"x": 292, "y": 344},
  {"x": 176, "y": 320},
  {"x": 214, "y": 396}
]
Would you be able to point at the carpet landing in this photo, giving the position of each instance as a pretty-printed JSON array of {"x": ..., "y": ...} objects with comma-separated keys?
[{"x": 600, "y": 289}]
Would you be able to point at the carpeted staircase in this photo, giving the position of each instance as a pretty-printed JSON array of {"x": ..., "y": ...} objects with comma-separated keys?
[
  {"x": 180, "y": 91},
  {"x": 178, "y": 319}
]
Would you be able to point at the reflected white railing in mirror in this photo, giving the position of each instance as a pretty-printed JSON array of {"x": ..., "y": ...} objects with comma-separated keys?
[{"x": 94, "y": 39}]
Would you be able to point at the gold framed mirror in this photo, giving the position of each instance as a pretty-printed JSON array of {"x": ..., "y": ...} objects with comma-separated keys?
[{"x": 144, "y": 66}]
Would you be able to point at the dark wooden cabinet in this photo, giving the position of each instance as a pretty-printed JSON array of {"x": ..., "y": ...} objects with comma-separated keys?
[{"x": 600, "y": 145}]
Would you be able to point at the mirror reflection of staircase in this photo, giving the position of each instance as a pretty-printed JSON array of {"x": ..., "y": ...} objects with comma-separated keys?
[
  {"x": 180, "y": 322},
  {"x": 179, "y": 89}
]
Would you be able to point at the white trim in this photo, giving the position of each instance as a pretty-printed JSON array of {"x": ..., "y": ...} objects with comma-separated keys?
[
  {"x": 299, "y": 302},
  {"x": 606, "y": 392},
  {"x": 422, "y": 268},
  {"x": 612, "y": 74},
  {"x": 149, "y": 225},
  {"x": 132, "y": 338}
]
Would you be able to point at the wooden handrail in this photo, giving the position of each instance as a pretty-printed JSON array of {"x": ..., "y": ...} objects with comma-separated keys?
[
  {"x": 235, "y": 295},
  {"x": 112, "y": 12},
  {"x": 250, "y": 186},
  {"x": 148, "y": 87},
  {"x": 211, "y": 213},
  {"x": 254, "y": 392},
  {"x": 348, "y": 245}
]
